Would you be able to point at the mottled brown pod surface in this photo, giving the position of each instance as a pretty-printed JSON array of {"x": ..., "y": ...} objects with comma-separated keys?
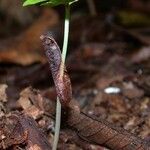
[{"x": 62, "y": 83}]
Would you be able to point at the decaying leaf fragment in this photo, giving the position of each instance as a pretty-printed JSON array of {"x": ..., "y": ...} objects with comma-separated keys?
[
  {"x": 21, "y": 129},
  {"x": 3, "y": 95},
  {"x": 27, "y": 102},
  {"x": 88, "y": 128},
  {"x": 3, "y": 99},
  {"x": 62, "y": 83},
  {"x": 94, "y": 131}
]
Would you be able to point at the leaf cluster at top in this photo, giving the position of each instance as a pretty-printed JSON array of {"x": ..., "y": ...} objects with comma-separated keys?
[{"x": 48, "y": 2}]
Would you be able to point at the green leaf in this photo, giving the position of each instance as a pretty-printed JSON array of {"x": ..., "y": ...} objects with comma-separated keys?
[
  {"x": 48, "y": 2},
  {"x": 73, "y": 1},
  {"x": 33, "y": 2},
  {"x": 59, "y": 2}
]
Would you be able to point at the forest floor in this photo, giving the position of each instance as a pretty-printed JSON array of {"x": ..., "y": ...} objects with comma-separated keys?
[{"x": 109, "y": 67}]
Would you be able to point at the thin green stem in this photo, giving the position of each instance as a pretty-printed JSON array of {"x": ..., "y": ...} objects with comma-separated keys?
[
  {"x": 57, "y": 124},
  {"x": 66, "y": 35},
  {"x": 64, "y": 52}
]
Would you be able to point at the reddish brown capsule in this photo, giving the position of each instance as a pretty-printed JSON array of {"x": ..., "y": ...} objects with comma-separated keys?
[{"x": 62, "y": 83}]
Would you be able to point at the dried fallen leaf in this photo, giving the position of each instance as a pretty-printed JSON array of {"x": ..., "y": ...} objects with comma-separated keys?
[
  {"x": 131, "y": 91},
  {"x": 99, "y": 131},
  {"x": 142, "y": 55},
  {"x": 3, "y": 99},
  {"x": 3, "y": 95},
  {"x": 24, "y": 130},
  {"x": 28, "y": 103},
  {"x": 34, "y": 147}
]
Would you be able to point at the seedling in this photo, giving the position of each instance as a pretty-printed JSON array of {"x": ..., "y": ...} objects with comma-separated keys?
[{"x": 66, "y": 4}]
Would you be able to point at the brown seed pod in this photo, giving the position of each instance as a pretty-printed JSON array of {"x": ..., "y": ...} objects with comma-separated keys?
[{"x": 62, "y": 82}]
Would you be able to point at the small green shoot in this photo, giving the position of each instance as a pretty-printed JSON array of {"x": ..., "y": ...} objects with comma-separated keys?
[{"x": 67, "y": 4}]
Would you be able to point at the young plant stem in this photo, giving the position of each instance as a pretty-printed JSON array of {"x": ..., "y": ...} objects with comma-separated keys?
[{"x": 64, "y": 52}]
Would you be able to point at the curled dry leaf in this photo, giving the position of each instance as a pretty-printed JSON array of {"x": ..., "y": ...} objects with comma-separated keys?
[{"x": 62, "y": 82}]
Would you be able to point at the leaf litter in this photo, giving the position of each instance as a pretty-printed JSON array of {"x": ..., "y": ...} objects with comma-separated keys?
[{"x": 109, "y": 62}]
